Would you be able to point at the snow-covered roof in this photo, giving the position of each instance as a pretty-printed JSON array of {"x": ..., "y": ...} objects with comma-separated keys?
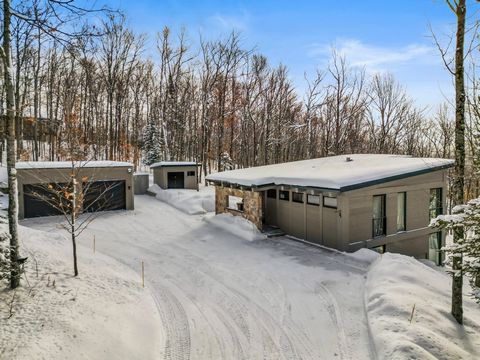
[
  {"x": 68, "y": 164},
  {"x": 335, "y": 172},
  {"x": 173, "y": 163}
]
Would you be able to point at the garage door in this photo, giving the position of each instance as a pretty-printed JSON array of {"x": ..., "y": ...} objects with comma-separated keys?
[
  {"x": 104, "y": 195},
  {"x": 176, "y": 180},
  {"x": 39, "y": 201}
]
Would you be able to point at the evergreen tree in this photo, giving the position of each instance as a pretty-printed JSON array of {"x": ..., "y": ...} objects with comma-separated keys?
[
  {"x": 152, "y": 144},
  {"x": 466, "y": 250}
]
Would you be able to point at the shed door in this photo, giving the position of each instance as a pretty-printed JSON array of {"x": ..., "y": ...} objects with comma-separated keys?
[
  {"x": 104, "y": 195},
  {"x": 176, "y": 180},
  {"x": 36, "y": 201}
]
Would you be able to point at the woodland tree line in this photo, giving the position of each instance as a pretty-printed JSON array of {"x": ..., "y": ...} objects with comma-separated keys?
[{"x": 220, "y": 104}]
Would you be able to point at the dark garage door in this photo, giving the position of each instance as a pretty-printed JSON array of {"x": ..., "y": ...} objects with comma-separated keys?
[
  {"x": 104, "y": 195},
  {"x": 39, "y": 201},
  {"x": 176, "y": 180}
]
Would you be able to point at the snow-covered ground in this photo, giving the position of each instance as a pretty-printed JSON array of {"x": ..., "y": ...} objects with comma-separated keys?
[
  {"x": 222, "y": 297},
  {"x": 104, "y": 313},
  {"x": 189, "y": 201},
  {"x": 223, "y": 291},
  {"x": 395, "y": 285}
]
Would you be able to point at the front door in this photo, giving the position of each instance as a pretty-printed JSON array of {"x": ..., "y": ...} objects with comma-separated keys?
[{"x": 176, "y": 180}]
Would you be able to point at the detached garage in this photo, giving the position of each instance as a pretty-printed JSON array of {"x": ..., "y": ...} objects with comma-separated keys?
[
  {"x": 103, "y": 185},
  {"x": 175, "y": 174}
]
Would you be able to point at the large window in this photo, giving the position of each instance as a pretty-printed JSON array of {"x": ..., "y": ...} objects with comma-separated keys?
[
  {"x": 401, "y": 211},
  {"x": 435, "y": 207},
  {"x": 379, "y": 219},
  {"x": 434, "y": 246},
  {"x": 297, "y": 197}
]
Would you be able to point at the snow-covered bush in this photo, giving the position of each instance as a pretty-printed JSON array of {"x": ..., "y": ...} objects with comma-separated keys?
[
  {"x": 4, "y": 255},
  {"x": 466, "y": 217}
]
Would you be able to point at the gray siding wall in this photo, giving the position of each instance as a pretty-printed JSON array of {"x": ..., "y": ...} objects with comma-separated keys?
[
  {"x": 160, "y": 176},
  {"x": 41, "y": 176}
]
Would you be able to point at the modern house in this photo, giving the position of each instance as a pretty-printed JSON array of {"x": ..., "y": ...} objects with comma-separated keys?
[
  {"x": 175, "y": 174},
  {"x": 104, "y": 185},
  {"x": 382, "y": 202}
]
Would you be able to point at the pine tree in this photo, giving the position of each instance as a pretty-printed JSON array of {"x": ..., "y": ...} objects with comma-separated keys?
[
  {"x": 152, "y": 144},
  {"x": 466, "y": 250}
]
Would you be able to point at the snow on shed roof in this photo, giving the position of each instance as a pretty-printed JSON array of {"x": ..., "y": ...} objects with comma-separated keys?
[
  {"x": 68, "y": 164},
  {"x": 173, "y": 163},
  {"x": 335, "y": 172}
]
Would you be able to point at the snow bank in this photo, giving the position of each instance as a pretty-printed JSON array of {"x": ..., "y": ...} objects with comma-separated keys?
[
  {"x": 104, "y": 313},
  {"x": 236, "y": 225},
  {"x": 396, "y": 284},
  {"x": 189, "y": 201},
  {"x": 365, "y": 255}
]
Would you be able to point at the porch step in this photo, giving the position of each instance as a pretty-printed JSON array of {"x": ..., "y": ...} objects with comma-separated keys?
[{"x": 273, "y": 232}]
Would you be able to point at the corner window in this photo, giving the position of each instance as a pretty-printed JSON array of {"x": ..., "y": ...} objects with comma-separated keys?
[
  {"x": 313, "y": 200},
  {"x": 402, "y": 211},
  {"x": 434, "y": 246},
  {"x": 284, "y": 195},
  {"x": 297, "y": 197},
  {"x": 190, "y": 173},
  {"x": 435, "y": 207},
  {"x": 379, "y": 221},
  {"x": 330, "y": 202},
  {"x": 272, "y": 193}
]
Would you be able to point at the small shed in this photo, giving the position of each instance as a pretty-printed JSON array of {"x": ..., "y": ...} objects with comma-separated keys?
[
  {"x": 175, "y": 174},
  {"x": 105, "y": 185}
]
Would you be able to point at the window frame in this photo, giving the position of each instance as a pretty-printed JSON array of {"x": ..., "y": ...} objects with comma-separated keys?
[
  {"x": 383, "y": 218},
  {"x": 269, "y": 191},
  {"x": 330, "y": 206},
  {"x": 313, "y": 203},
  {"x": 298, "y": 201},
  {"x": 439, "y": 236},
  {"x": 189, "y": 173},
  {"x": 438, "y": 208},
  {"x": 280, "y": 192},
  {"x": 404, "y": 215}
]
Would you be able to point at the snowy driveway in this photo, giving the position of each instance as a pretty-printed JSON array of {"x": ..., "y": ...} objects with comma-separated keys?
[{"x": 221, "y": 297}]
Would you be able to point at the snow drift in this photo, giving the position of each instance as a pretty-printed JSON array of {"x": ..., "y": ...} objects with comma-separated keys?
[
  {"x": 191, "y": 202},
  {"x": 236, "y": 225},
  {"x": 396, "y": 284}
]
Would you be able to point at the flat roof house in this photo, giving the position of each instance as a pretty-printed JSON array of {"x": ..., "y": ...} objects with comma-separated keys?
[
  {"x": 382, "y": 202},
  {"x": 107, "y": 185},
  {"x": 175, "y": 174}
]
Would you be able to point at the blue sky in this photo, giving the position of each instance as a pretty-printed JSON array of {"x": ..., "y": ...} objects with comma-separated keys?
[{"x": 381, "y": 35}]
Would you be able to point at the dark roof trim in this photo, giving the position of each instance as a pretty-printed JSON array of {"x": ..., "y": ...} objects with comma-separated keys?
[
  {"x": 343, "y": 188},
  {"x": 175, "y": 165}
]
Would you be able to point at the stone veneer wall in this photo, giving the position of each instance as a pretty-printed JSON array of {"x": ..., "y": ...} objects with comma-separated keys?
[{"x": 252, "y": 204}]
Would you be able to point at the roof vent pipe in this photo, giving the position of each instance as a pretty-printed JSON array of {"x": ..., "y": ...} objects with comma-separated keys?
[{"x": 348, "y": 159}]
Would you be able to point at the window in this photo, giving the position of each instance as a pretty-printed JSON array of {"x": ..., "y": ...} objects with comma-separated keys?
[
  {"x": 297, "y": 197},
  {"x": 435, "y": 207},
  {"x": 235, "y": 203},
  {"x": 330, "y": 202},
  {"x": 284, "y": 195},
  {"x": 190, "y": 173},
  {"x": 379, "y": 249},
  {"x": 379, "y": 219},
  {"x": 402, "y": 211},
  {"x": 313, "y": 200},
  {"x": 434, "y": 246},
  {"x": 272, "y": 193}
]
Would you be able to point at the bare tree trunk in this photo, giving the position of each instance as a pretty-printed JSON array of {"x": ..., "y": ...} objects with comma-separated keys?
[
  {"x": 11, "y": 150},
  {"x": 458, "y": 185}
]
